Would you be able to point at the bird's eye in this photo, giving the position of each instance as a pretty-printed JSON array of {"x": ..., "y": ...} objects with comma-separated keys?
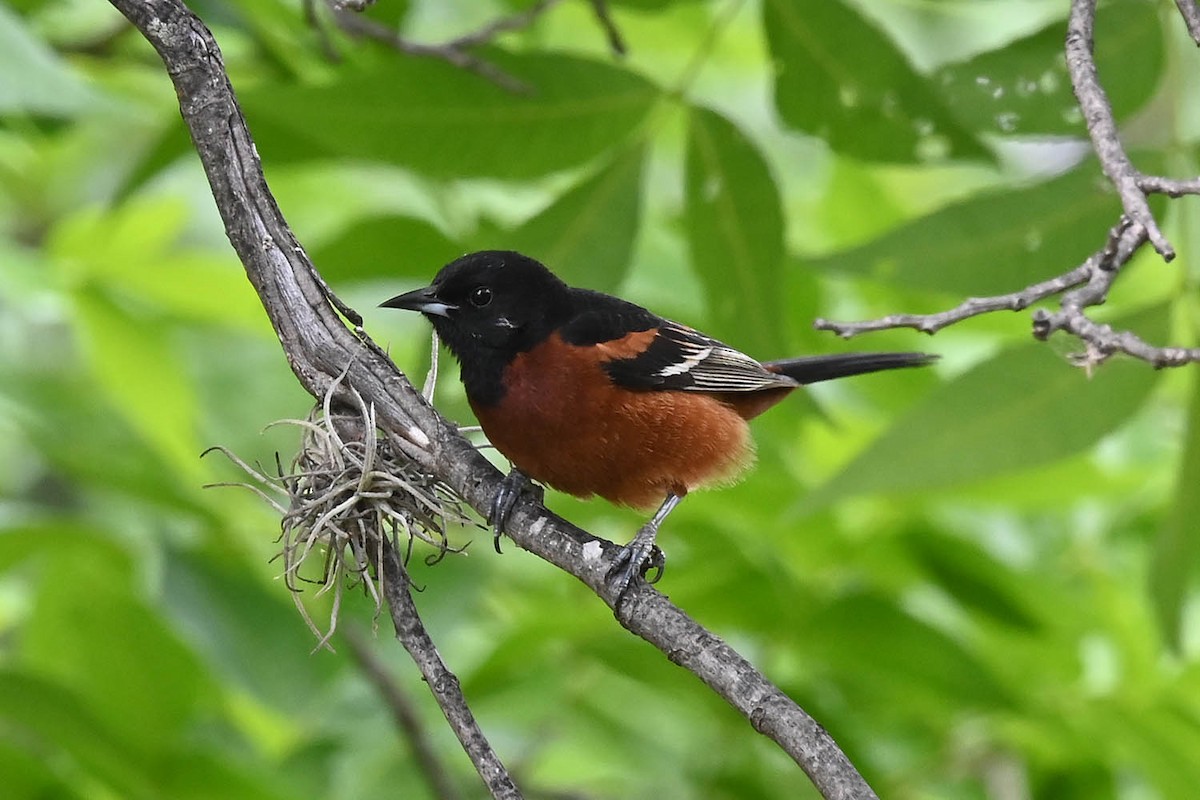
[{"x": 481, "y": 296}]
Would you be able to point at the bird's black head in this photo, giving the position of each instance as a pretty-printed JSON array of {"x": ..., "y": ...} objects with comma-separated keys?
[{"x": 489, "y": 306}]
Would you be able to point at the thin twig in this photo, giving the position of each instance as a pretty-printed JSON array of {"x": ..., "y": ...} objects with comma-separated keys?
[
  {"x": 615, "y": 42},
  {"x": 408, "y": 719},
  {"x": 718, "y": 24},
  {"x": 1190, "y": 11},
  {"x": 444, "y": 684},
  {"x": 313, "y": 20},
  {"x": 457, "y": 51},
  {"x": 514, "y": 22},
  {"x": 1091, "y": 281},
  {"x": 357, "y": 25},
  {"x": 1102, "y": 127},
  {"x": 1110, "y": 257},
  {"x": 1102, "y": 340},
  {"x": 1171, "y": 187},
  {"x": 971, "y": 307}
]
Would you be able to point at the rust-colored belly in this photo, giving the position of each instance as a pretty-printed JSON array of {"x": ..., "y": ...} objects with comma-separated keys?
[{"x": 629, "y": 447}]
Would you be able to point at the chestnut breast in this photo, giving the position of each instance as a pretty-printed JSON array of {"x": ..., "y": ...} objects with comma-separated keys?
[{"x": 564, "y": 423}]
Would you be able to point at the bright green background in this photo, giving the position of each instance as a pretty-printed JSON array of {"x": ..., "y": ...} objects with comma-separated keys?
[{"x": 980, "y": 577}]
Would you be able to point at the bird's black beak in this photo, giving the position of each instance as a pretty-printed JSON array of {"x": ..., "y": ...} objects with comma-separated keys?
[{"x": 424, "y": 300}]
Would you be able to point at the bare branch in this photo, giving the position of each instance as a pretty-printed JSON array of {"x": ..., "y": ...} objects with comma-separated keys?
[
  {"x": 1117, "y": 250},
  {"x": 1102, "y": 340},
  {"x": 1154, "y": 184},
  {"x": 600, "y": 8},
  {"x": 971, "y": 307},
  {"x": 320, "y": 349},
  {"x": 444, "y": 684},
  {"x": 1094, "y": 278},
  {"x": 313, "y": 20},
  {"x": 408, "y": 719},
  {"x": 1091, "y": 280},
  {"x": 1190, "y": 11},
  {"x": 522, "y": 19},
  {"x": 457, "y": 51},
  {"x": 1102, "y": 127},
  {"x": 357, "y": 25},
  {"x": 411, "y": 633}
]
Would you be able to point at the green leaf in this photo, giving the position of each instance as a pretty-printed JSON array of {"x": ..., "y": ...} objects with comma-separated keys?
[
  {"x": 1176, "y": 554},
  {"x": 198, "y": 287},
  {"x": 245, "y": 630},
  {"x": 852, "y": 187},
  {"x": 877, "y": 649},
  {"x": 52, "y": 536},
  {"x": 385, "y": 247},
  {"x": 38, "y": 82},
  {"x": 1024, "y": 88},
  {"x": 93, "y": 445},
  {"x": 166, "y": 144},
  {"x": 26, "y": 775},
  {"x": 841, "y": 79},
  {"x": 586, "y": 236},
  {"x": 135, "y": 252},
  {"x": 192, "y": 775},
  {"x": 650, "y": 5},
  {"x": 134, "y": 363},
  {"x": 1026, "y": 406},
  {"x": 441, "y": 120},
  {"x": 993, "y": 243},
  {"x": 92, "y": 633},
  {"x": 62, "y": 731},
  {"x": 734, "y": 227},
  {"x": 1160, "y": 739},
  {"x": 971, "y": 576}
]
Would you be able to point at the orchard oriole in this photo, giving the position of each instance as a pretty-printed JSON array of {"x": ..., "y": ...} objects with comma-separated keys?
[{"x": 593, "y": 395}]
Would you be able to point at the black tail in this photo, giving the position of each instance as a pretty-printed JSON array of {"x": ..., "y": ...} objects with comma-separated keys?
[{"x": 814, "y": 369}]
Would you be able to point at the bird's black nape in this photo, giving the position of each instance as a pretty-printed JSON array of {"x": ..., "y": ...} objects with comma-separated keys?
[{"x": 814, "y": 369}]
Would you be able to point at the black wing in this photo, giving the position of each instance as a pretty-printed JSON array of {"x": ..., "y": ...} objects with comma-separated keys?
[
  {"x": 682, "y": 358},
  {"x": 649, "y": 352}
]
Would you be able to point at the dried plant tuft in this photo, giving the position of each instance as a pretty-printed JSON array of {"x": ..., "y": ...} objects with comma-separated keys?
[{"x": 346, "y": 490}]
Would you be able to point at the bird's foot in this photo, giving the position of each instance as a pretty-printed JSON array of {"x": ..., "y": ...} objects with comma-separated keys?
[
  {"x": 636, "y": 560},
  {"x": 515, "y": 484}
]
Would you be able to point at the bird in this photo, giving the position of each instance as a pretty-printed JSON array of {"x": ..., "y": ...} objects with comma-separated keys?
[{"x": 593, "y": 395}]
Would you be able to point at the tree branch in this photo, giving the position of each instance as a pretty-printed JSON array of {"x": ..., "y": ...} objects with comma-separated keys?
[
  {"x": 456, "y": 51},
  {"x": 615, "y": 42},
  {"x": 1095, "y": 277},
  {"x": 408, "y": 721},
  {"x": 357, "y": 25},
  {"x": 320, "y": 349},
  {"x": 971, "y": 307},
  {"x": 1190, "y": 11},
  {"x": 522, "y": 19},
  {"x": 1102, "y": 127},
  {"x": 411, "y": 632}
]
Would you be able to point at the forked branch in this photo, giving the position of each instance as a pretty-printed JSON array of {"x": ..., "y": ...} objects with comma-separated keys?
[{"x": 1088, "y": 284}]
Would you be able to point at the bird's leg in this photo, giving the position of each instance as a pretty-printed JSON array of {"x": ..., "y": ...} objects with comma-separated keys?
[
  {"x": 640, "y": 555},
  {"x": 515, "y": 484}
]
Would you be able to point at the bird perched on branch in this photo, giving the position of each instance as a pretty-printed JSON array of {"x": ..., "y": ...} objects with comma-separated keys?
[{"x": 593, "y": 395}]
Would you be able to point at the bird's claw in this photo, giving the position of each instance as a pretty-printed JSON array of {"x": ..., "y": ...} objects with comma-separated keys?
[
  {"x": 638, "y": 559},
  {"x": 515, "y": 484}
]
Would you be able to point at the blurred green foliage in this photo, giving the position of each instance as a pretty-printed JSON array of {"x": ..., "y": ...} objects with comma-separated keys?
[{"x": 979, "y": 577}]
